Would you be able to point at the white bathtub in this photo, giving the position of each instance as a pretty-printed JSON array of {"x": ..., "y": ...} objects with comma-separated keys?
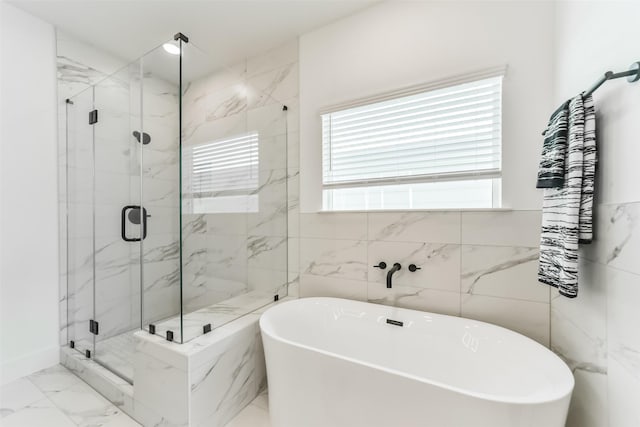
[{"x": 338, "y": 363}]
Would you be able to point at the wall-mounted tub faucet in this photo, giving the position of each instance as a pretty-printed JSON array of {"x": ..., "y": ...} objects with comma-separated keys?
[{"x": 395, "y": 268}]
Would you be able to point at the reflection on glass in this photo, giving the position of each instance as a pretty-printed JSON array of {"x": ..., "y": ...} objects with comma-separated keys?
[{"x": 221, "y": 176}]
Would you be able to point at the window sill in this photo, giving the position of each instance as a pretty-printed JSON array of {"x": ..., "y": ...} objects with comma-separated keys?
[{"x": 417, "y": 210}]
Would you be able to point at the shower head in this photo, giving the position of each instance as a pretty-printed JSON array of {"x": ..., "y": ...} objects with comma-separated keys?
[{"x": 146, "y": 138}]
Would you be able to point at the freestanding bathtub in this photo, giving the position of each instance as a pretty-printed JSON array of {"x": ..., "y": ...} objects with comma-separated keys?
[{"x": 339, "y": 363}]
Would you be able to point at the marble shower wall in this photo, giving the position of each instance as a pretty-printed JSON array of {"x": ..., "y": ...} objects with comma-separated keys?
[
  {"x": 117, "y": 183},
  {"x": 245, "y": 249},
  {"x": 480, "y": 265}
]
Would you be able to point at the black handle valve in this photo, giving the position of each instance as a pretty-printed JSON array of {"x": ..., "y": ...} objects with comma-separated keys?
[
  {"x": 382, "y": 265},
  {"x": 413, "y": 268}
]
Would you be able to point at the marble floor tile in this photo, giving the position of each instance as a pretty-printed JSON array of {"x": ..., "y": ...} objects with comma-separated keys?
[
  {"x": 55, "y": 397},
  {"x": 17, "y": 395},
  {"x": 83, "y": 405},
  {"x": 41, "y": 413},
  {"x": 54, "y": 379}
]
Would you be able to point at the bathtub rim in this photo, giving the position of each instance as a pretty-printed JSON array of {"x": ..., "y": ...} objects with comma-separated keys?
[{"x": 483, "y": 396}]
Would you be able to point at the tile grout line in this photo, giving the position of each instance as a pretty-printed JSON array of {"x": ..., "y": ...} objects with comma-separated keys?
[
  {"x": 53, "y": 404},
  {"x": 460, "y": 271},
  {"x": 367, "y": 219}
]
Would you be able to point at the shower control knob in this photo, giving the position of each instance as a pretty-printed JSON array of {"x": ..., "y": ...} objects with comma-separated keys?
[
  {"x": 413, "y": 268},
  {"x": 382, "y": 265}
]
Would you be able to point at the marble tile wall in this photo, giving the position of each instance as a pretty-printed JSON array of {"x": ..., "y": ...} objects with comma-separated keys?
[
  {"x": 481, "y": 265},
  {"x": 229, "y": 253},
  {"x": 597, "y": 332}
]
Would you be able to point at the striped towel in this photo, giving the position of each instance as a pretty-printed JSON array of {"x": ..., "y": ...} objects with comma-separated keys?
[
  {"x": 567, "y": 209},
  {"x": 551, "y": 170}
]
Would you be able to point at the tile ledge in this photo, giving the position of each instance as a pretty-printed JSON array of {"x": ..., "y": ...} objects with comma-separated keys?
[{"x": 421, "y": 210}]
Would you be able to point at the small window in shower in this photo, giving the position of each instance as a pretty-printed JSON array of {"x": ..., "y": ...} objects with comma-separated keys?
[{"x": 222, "y": 176}]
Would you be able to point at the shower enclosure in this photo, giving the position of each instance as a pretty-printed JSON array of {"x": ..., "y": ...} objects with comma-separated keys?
[{"x": 176, "y": 202}]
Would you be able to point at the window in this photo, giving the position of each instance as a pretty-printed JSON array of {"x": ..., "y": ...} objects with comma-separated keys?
[
  {"x": 222, "y": 175},
  {"x": 436, "y": 148}
]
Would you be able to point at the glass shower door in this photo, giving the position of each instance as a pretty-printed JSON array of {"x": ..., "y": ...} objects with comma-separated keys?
[
  {"x": 160, "y": 179},
  {"x": 118, "y": 223},
  {"x": 79, "y": 207}
]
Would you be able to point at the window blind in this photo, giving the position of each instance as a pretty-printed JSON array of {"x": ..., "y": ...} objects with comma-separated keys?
[
  {"x": 451, "y": 133},
  {"x": 224, "y": 167}
]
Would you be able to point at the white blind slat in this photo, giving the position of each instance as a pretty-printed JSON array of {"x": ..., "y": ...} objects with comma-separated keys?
[
  {"x": 438, "y": 134},
  {"x": 229, "y": 164}
]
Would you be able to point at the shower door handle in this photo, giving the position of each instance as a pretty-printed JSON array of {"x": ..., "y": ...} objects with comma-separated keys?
[{"x": 126, "y": 213}]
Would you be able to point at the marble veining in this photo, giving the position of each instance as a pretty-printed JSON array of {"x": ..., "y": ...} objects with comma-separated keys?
[
  {"x": 624, "y": 221},
  {"x": 235, "y": 104},
  {"x": 261, "y": 249},
  {"x": 339, "y": 258},
  {"x": 475, "y": 276},
  {"x": 502, "y": 271},
  {"x": 72, "y": 71},
  {"x": 435, "y": 227}
]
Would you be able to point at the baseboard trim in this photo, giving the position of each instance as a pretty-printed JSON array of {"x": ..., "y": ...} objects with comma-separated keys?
[{"x": 18, "y": 368}]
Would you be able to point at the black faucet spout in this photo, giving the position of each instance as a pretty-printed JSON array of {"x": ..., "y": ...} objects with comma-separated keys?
[{"x": 395, "y": 268}]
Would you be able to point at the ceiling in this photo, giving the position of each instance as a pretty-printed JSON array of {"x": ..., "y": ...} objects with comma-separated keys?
[{"x": 228, "y": 30}]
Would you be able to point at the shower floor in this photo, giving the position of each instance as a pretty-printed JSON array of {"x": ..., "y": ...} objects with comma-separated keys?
[{"x": 116, "y": 353}]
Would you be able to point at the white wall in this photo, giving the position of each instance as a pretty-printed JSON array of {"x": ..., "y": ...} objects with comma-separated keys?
[
  {"x": 592, "y": 39},
  {"x": 397, "y": 44},
  {"x": 597, "y": 333},
  {"x": 28, "y": 226}
]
